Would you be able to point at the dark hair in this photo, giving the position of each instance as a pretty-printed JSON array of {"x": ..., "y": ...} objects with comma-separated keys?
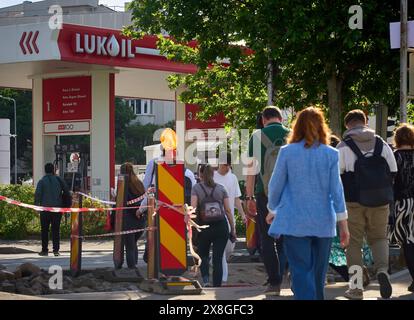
[
  {"x": 135, "y": 185},
  {"x": 334, "y": 140},
  {"x": 49, "y": 168},
  {"x": 271, "y": 112},
  {"x": 355, "y": 116},
  {"x": 224, "y": 158},
  {"x": 259, "y": 121},
  {"x": 207, "y": 174},
  {"x": 404, "y": 135}
]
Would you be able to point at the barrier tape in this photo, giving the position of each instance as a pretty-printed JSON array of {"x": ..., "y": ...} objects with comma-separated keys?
[
  {"x": 140, "y": 198},
  {"x": 188, "y": 215},
  {"x": 114, "y": 233},
  {"x": 96, "y": 199},
  {"x": 150, "y": 190},
  {"x": 61, "y": 210}
]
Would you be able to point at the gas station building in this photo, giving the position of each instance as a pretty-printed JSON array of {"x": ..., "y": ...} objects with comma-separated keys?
[{"x": 75, "y": 73}]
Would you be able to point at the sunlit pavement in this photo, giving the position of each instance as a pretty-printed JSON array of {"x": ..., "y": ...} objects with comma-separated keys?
[{"x": 99, "y": 255}]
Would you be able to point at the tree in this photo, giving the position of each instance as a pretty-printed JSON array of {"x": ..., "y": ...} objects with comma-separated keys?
[
  {"x": 24, "y": 122},
  {"x": 314, "y": 55}
]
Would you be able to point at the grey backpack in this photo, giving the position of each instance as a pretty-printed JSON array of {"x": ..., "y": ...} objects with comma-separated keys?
[{"x": 272, "y": 151}]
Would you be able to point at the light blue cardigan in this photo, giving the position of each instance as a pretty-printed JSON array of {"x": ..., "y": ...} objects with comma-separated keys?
[{"x": 305, "y": 192}]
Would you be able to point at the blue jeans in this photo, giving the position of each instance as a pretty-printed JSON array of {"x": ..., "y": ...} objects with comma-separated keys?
[{"x": 308, "y": 259}]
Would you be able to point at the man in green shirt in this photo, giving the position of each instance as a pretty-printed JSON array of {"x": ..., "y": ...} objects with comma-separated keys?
[{"x": 273, "y": 134}]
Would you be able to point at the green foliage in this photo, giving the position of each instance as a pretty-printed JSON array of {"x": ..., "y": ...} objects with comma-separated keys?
[
  {"x": 240, "y": 226},
  {"x": 123, "y": 117},
  {"x": 137, "y": 136},
  {"x": 308, "y": 43},
  {"x": 24, "y": 122},
  {"x": 16, "y": 222},
  {"x": 19, "y": 223}
]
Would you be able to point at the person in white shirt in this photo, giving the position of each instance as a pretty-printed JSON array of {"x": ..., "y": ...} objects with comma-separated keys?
[{"x": 225, "y": 177}]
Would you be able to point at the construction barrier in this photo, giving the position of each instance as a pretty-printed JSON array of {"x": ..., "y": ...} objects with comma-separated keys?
[{"x": 172, "y": 233}]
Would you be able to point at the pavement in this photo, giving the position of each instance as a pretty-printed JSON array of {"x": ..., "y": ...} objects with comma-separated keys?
[
  {"x": 98, "y": 254},
  {"x": 399, "y": 281}
]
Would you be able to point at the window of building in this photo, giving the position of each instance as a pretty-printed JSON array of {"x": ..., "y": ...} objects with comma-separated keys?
[{"x": 141, "y": 106}]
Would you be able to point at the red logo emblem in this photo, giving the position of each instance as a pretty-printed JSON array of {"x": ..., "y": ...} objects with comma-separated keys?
[{"x": 28, "y": 42}]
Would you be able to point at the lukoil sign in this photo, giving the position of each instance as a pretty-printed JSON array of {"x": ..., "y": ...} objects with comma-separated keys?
[{"x": 104, "y": 45}]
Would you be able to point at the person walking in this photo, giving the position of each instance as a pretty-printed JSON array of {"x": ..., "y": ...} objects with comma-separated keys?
[
  {"x": 51, "y": 191},
  {"x": 367, "y": 166},
  {"x": 224, "y": 176},
  {"x": 402, "y": 231},
  {"x": 263, "y": 149},
  {"x": 212, "y": 202},
  {"x": 306, "y": 201},
  {"x": 133, "y": 219},
  {"x": 337, "y": 258}
]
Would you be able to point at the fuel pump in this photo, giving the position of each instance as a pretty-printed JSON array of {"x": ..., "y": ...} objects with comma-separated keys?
[{"x": 75, "y": 172}]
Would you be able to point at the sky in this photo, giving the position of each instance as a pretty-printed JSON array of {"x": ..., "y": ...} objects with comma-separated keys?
[{"x": 6, "y": 3}]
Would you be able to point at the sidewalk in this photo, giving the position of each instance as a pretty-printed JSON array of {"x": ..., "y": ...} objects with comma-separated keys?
[
  {"x": 36, "y": 245},
  {"x": 399, "y": 281}
]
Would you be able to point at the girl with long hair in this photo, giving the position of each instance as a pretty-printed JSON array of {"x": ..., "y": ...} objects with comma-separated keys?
[
  {"x": 212, "y": 203},
  {"x": 132, "y": 219}
]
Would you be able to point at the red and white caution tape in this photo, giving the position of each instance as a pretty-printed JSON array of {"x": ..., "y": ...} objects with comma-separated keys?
[
  {"x": 113, "y": 233},
  {"x": 140, "y": 198},
  {"x": 61, "y": 210},
  {"x": 111, "y": 203}
]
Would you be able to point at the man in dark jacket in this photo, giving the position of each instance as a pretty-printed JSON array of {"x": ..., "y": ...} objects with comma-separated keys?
[{"x": 49, "y": 193}]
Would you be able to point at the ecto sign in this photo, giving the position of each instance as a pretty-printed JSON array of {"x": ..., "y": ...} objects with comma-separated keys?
[
  {"x": 72, "y": 127},
  {"x": 104, "y": 46}
]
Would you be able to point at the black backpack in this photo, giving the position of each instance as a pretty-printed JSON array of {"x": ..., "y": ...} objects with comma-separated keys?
[
  {"x": 211, "y": 209},
  {"x": 373, "y": 179}
]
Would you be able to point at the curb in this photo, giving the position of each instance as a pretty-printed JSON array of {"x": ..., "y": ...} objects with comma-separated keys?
[{"x": 399, "y": 274}]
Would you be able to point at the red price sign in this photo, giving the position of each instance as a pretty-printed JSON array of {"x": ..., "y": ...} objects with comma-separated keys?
[
  {"x": 191, "y": 121},
  {"x": 67, "y": 98}
]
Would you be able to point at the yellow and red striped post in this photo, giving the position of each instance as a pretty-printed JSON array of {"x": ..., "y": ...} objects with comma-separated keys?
[{"x": 171, "y": 235}]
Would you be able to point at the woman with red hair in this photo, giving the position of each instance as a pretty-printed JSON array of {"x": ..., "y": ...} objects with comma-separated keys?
[{"x": 306, "y": 200}]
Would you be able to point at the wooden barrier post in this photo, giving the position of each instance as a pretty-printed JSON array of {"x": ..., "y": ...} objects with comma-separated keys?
[
  {"x": 120, "y": 202},
  {"x": 152, "y": 265},
  {"x": 75, "y": 241}
]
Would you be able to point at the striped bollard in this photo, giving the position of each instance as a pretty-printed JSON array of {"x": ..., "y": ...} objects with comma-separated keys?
[{"x": 172, "y": 232}]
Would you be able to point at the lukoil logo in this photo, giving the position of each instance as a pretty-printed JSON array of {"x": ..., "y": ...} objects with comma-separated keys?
[{"x": 103, "y": 45}]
